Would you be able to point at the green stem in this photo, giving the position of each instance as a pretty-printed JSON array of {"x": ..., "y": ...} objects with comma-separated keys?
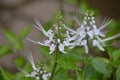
[
  {"x": 85, "y": 67},
  {"x": 55, "y": 64}
]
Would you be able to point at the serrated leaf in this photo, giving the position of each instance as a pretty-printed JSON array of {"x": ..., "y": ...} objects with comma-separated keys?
[
  {"x": 5, "y": 49},
  {"x": 100, "y": 66},
  {"x": 10, "y": 35},
  {"x": 118, "y": 73},
  {"x": 75, "y": 54},
  {"x": 116, "y": 54},
  {"x": 24, "y": 32},
  {"x": 6, "y": 75},
  {"x": 68, "y": 64}
]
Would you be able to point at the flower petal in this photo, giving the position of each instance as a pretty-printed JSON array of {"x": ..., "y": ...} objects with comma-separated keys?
[
  {"x": 97, "y": 43},
  {"x": 61, "y": 48},
  {"x": 52, "y": 48}
]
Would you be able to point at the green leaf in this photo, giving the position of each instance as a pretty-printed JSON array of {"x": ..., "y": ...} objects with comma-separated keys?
[
  {"x": 10, "y": 35},
  {"x": 100, "y": 66},
  {"x": 72, "y": 1},
  {"x": 118, "y": 73},
  {"x": 63, "y": 75},
  {"x": 5, "y": 49},
  {"x": 84, "y": 5},
  {"x": 47, "y": 25},
  {"x": 75, "y": 54},
  {"x": 19, "y": 61},
  {"x": 19, "y": 45},
  {"x": 78, "y": 75},
  {"x": 6, "y": 75},
  {"x": 116, "y": 55},
  {"x": 24, "y": 32},
  {"x": 110, "y": 50},
  {"x": 68, "y": 64},
  {"x": 89, "y": 72},
  {"x": 45, "y": 51}
]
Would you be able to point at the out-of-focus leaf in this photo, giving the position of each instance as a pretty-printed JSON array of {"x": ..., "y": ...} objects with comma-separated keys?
[
  {"x": 99, "y": 65},
  {"x": 10, "y": 35},
  {"x": 110, "y": 50},
  {"x": 116, "y": 54},
  {"x": 72, "y": 1},
  {"x": 84, "y": 5},
  {"x": 24, "y": 32},
  {"x": 48, "y": 25},
  {"x": 89, "y": 72},
  {"x": 45, "y": 51},
  {"x": 6, "y": 75},
  {"x": 79, "y": 76},
  {"x": 19, "y": 61},
  {"x": 5, "y": 49},
  {"x": 118, "y": 73},
  {"x": 113, "y": 28},
  {"x": 62, "y": 75},
  {"x": 19, "y": 45}
]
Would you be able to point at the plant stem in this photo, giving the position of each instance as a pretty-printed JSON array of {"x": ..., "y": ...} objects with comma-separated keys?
[
  {"x": 55, "y": 63},
  {"x": 85, "y": 67}
]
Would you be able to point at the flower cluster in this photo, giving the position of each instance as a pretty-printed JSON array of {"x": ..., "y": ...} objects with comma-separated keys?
[
  {"x": 39, "y": 72},
  {"x": 54, "y": 36},
  {"x": 87, "y": 32}
]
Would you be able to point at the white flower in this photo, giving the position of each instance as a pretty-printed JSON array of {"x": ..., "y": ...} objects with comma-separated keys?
[
  {"x": 97, "y": 43},
  {"x": 37, "y": 71},
  {"x": 52, "y": 48},
  {"x": 45, "y": 76},
  {"x": 67, "y": 40},
  {"x": 51, "y": 42},
  {"x": 61, "y": 46},
  {"x": 84, "y": 43},
  {"x": 88, "y": 31}
]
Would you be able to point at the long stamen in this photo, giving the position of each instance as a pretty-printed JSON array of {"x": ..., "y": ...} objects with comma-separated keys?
[
  {"x": 38, "y": 24},
  {"x": 32, "y": 40},
  {"x": 110, "y": 38},
  {"x": 69, "y": 29},
  {"x": 105, "y": 24},
  {"x": 78, "y": 22},
  {"x": 30, "y": 58},
  {"x": 37, "y": 27},
  {"x": 36, "y": 42}
]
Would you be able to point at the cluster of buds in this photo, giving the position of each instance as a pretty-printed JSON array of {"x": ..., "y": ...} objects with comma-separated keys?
[
  {"x": 39, "y": 72},
  {"x": 87, "y": 32}
]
